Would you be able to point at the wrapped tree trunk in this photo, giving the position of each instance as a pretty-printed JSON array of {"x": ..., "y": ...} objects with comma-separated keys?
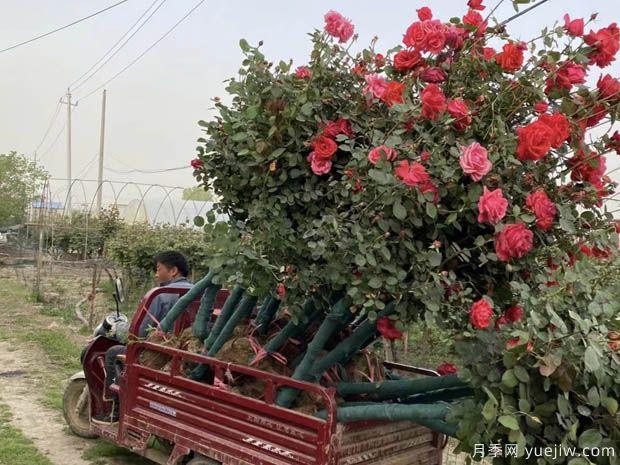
[
  {"x": 267, "y": 313},
  {"x": 294, "y": 330},
  {"x": 243, "y": 310},
  {"x": 200, "y": 328},
  {"x": 227, "y": 310},
  {"x": 340, "y": 314},
  {"x": 181, "y": 305},
  {"x": 400, "y": 388}
]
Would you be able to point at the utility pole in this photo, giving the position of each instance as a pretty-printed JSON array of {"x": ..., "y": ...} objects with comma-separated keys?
[
  {"x": 69, "y": 181},
  {"x": 101, "y": 140}
]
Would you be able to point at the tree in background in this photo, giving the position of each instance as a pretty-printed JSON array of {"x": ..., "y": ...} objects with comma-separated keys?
[
  {"x": 20, "y": 180},
  {"x": 197, "y": 193}
]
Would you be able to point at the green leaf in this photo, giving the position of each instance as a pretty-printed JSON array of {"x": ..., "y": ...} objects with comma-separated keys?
[
  {"x": 244, "y": 45},
  {"x": 306, "y": 108},
  {"x": 398, "y": 210},
  {"x": 578, "y": 461},
  {"x": 431, "y": 210},
  {"x": 360, "y": 260},
  {"x": 435, "y": 259},
  {"x": 489, "y": 411},
  {"x": 594, "y": 399},
  {"x": 521, "y": 374},
  {"x": 509, "y": 379},
  {"x": 590, "y": 438},
  {"x": 199, "y": 221},
  {"x": 509, "y": 421},
  {"x": 239, "y": 136},
  {"x": 610, "y": 404},
  {"x": 375, "y": 283},
  {"x": 591, "y": 359}
]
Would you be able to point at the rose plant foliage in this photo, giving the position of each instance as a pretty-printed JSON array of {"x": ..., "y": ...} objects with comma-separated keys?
[{"x": 456, "y": 175}]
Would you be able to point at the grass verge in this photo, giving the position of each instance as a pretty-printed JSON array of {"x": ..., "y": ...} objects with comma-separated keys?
[{"x": 15, "y": 448}]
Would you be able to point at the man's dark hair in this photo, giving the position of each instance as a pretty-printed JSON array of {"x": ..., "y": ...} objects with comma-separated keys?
[{"x": 172, "y": 258}]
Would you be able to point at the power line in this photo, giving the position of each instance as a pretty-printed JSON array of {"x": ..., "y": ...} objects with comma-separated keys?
[
  {"x": 163, "y": 170},
  {"x": 63, "y": 27},
  {"x": 49, "y": 127},
  {"x": 73, "y": 84},
  {"x": 146, "y": 51},
  {"x": 55, "y": 140}
]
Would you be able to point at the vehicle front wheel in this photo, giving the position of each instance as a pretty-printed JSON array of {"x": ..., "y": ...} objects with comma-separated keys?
[{"x": 76, "y": 408}]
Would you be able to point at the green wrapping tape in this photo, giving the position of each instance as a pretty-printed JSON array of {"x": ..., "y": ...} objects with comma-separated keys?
[
  {"x": 291, "y": 329},
  {"x": 432, "y": 416},
  {"x": 181, "y": 305},
  {"x": 227, "y": 310},
  {"x": 385, "y": 390},
  {"x": 200, "y": 328},
  {"x": 243, "y": 310},
  {"x": 334, "y": 319},
  {"x": 445, "y": 395},
  {"x": 266, "y": 314},
  {"x": 361, "y": 337}
]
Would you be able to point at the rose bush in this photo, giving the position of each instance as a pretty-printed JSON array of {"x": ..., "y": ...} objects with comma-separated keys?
[{"x": 443, "y": 175}]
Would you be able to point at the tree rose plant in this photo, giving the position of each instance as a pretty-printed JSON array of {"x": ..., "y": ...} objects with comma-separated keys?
[{"x": 453, "y": 178}]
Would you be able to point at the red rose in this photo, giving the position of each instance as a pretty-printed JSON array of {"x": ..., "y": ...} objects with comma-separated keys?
[
  {"x": 492, "y": 206},
  {"x": 514, "y": 241},
  {"x": 560, "y": 128},
  {"x": 606, "y": 43},
  {"x": 534, "y": 141},
  {"x": 574, "y": 27},
  {"x": 386, "y": 327},
  {"x": 480, "y": 314},
  {"x": 474, "y": 19},
  {"x": 515, "y": 342},
  {"x": 426, "y": 36},
  {"x": 541, "y": 107},
  {"x": 446, "y": 369},
  {"x": 514, "y": 314},
  {"x": 406, "y": 60},
  {"x": 433, "y": 75},
  {"x": 455, "y": 36},
  {"x": 424, "y": 13},
  {"x": 597, "y": 114},
  {"x": 488, "y": 53},
  {"x": 379, "y": 60},
  {"x": 382, "y": 151},
  {"x": 302, "y": 73},
  {"x": 543, "y": 208},
  {"x": 458, "y": 109},
  {"x": 281, "y": 291},
  {"x": 340, "y": 126},
  {"x": 510, "y": 59},
  {"x": 429, "y": 187},
  {"x": 424, "y": 156},
  {"x": 393, "y": 93},
  {"x": 433, "y": 102},
  {"x": 196, "y": 163},
  {"x": 476, "y": 5},
  {"x": 614, "y": 142},
  {"x": 324, "y": 147},
  {"x": 587, "y": 168},
  {"x": 608, "y": 88},
  {"x": 501, "y": 321},
  {"x": 338, "y": 26},
  {"x": 412, "y": 175}
]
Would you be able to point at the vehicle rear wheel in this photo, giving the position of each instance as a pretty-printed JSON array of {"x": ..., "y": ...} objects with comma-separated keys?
[
  {"x": 203, "y": 461},
  {"x": 76, "y": 408}
]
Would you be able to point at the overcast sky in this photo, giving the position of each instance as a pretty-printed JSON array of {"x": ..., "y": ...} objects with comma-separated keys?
[{"x": 153, "y": 108}]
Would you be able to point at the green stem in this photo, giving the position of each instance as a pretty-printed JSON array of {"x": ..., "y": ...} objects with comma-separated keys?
[
  {"x": 399, "y": 389},
  {"x": 334, "y": 319},
  {"x": 267, "y": 313},
  {"x": 244, "y": 310},
  {"x": 200, "y": 328},
  {"x": 227, "y": 310}
]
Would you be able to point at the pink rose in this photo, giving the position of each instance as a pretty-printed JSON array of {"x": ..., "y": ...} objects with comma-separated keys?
[
  {"x": 338, "y": 26},
  {"x": 480, "y": 314},
  {"x": 319, "y": 166},
  {"x": 302, "y": 73},
  {"x": 412, "y": 175},
  {"x": 492, "y": 206},
  {"x": 383, "y": 150},
  {"x": 474, "y": 161},
  {"x": 514, "y": 241},
  {"x": 376, "y": 85},
  {"x": 543, "y": 208}
]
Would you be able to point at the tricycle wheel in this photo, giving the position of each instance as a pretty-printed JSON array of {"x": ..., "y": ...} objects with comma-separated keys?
[
  {"x": 76, "y": 408},
  {"x": 203, "y": 461}
]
